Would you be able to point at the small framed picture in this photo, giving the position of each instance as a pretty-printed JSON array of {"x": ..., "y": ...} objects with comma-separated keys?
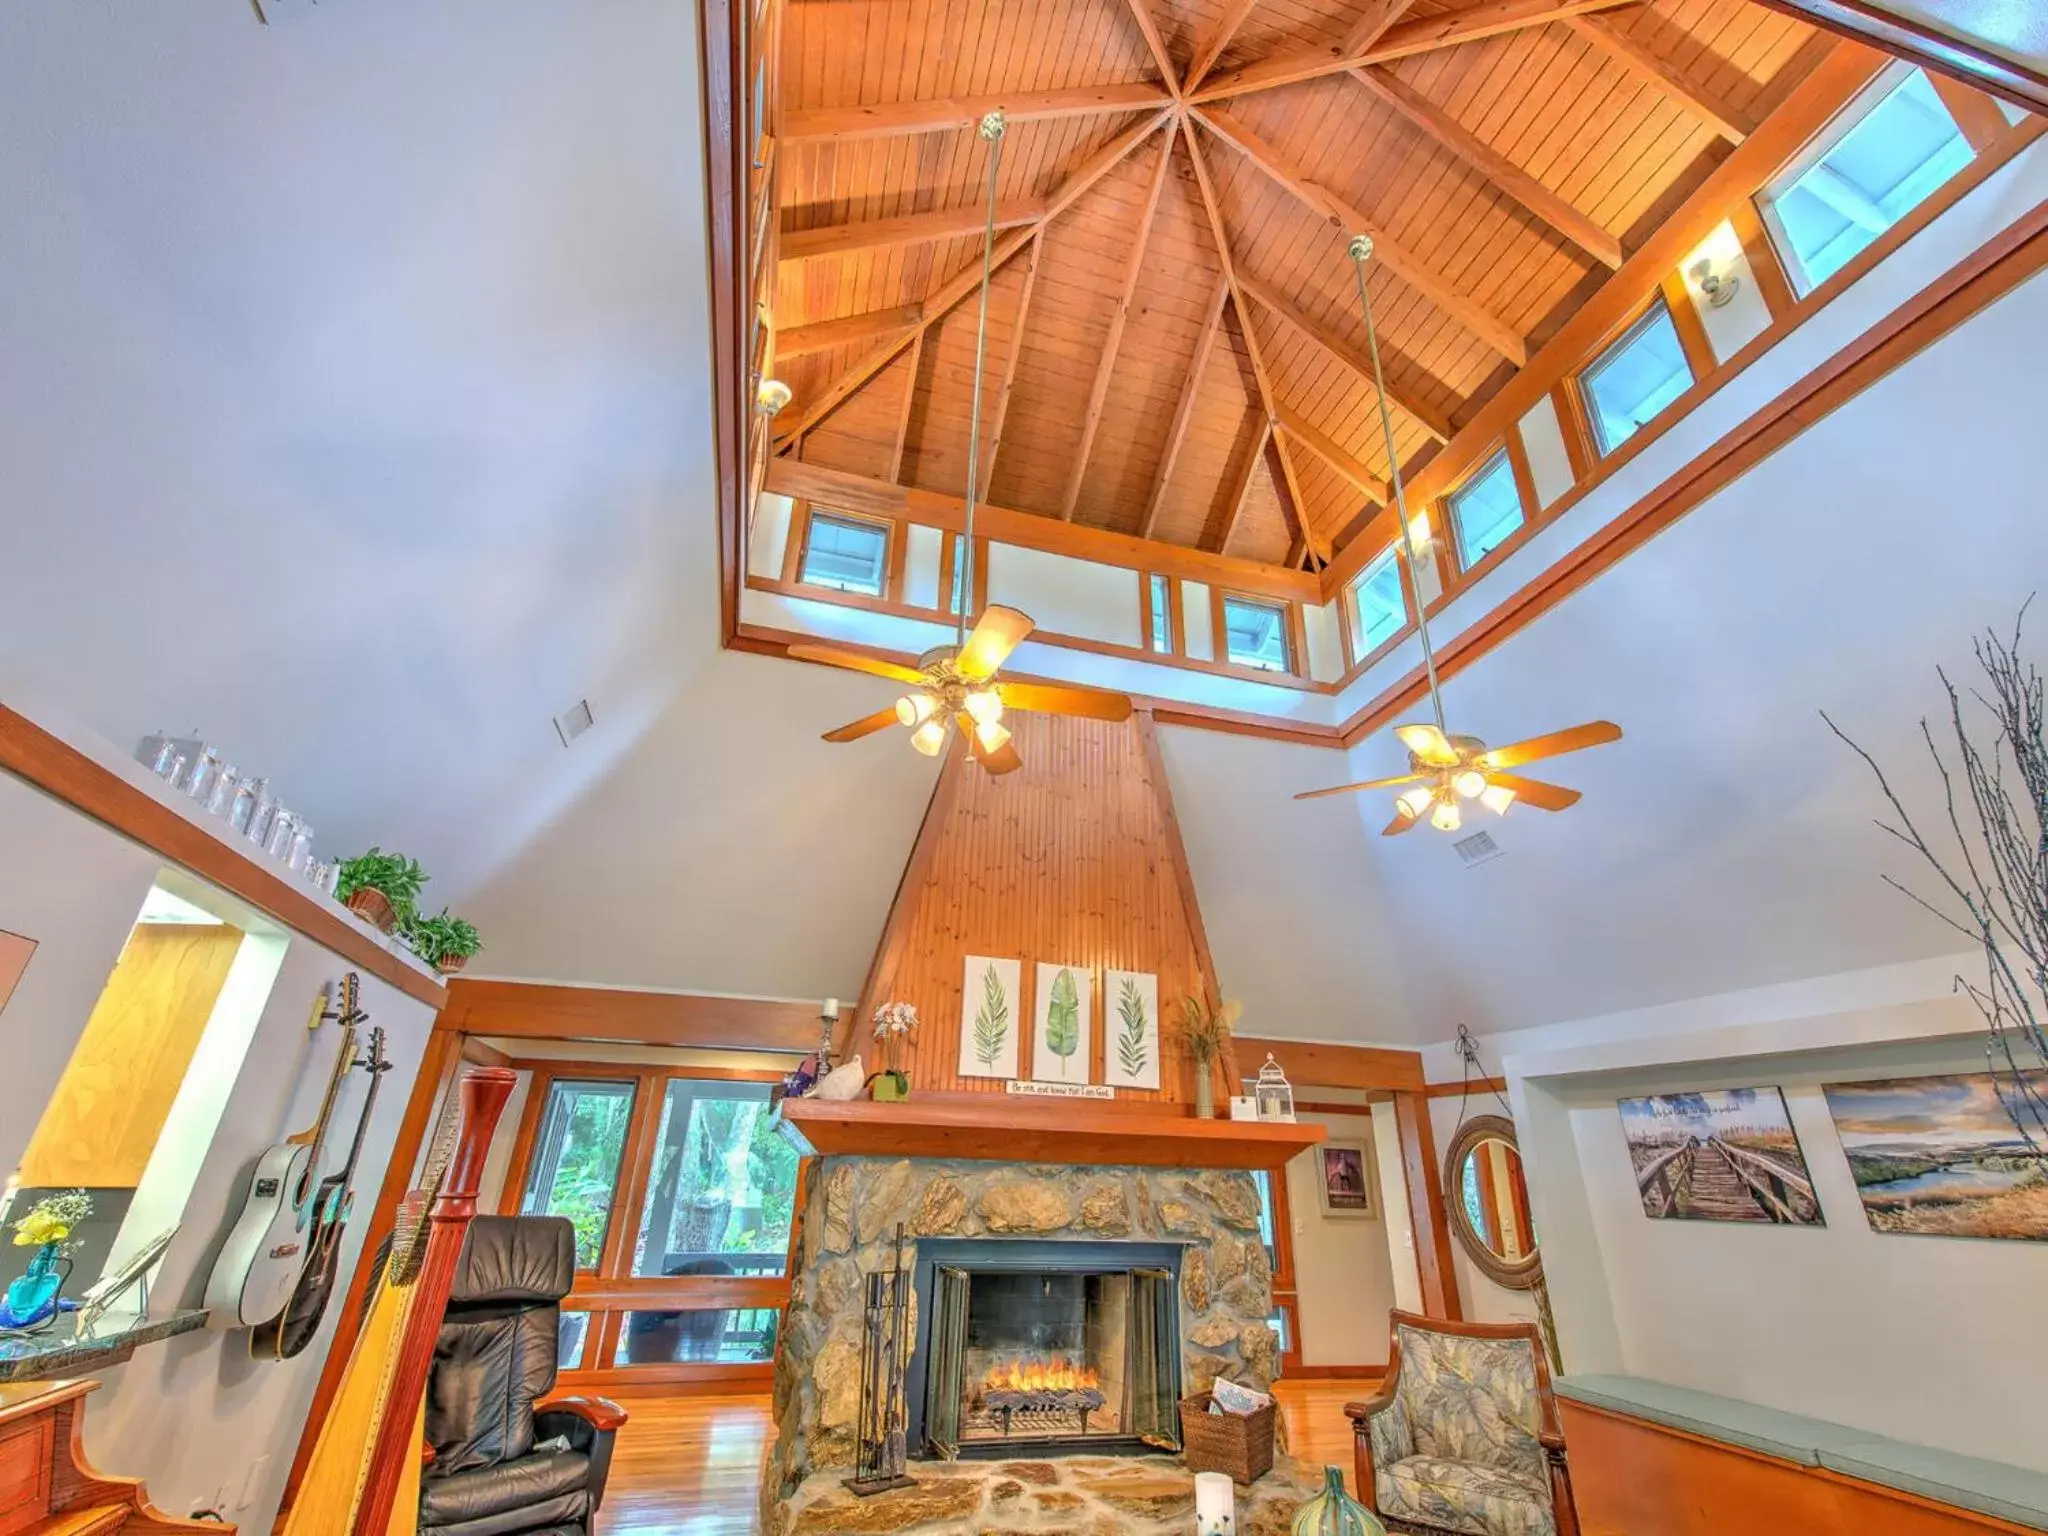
[{"x": 1345, "y": 1184}]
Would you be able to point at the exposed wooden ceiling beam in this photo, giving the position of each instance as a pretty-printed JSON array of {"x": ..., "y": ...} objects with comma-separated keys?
[
  {"x": 1244, "y": 485},
  {"x": 1659, "y": 72},
  {"x": 1161, "y": 59},
  {"x": 1426, "y": 416},
  {"x": 824, "y": 335},
  {"x": 1332, "y": 453},
  {"x": 955, "y": 112},
  {"x": 1212, "y": 50},
  {"x": 1213, "y": 210},
  {"x": 909, "y": 229},
  {"x": 1957, "y": 51},
  {"x": 968, "y": 278},
  {"x": 1348, "y": 220},
  {"x": 1190, "y": 388},
  {"x": 909, "y": 404},
  {"x": 1424, "y": 34},
  {"x": 1558, "y": 212},
  {"x": 1105, "y": 366}
]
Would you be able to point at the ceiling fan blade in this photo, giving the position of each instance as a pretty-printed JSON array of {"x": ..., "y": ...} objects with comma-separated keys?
[
  {"x": 1428, "y": 743},
  {"x": 881, "y": 719},
  {"x": 853, "y": 661},
  {"x": 1346, "y": 789},
  {"x": 1402, "y": 822},
  {"x": 1545, "y": 797},
  {"x": 1003, "y": 759},
  {"x": 1057, "y": 699},
  {"x": 997, "y": 632},
  {"x": 1596, "y": 733}
]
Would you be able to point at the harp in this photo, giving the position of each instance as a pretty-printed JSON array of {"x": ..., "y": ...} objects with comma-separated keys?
[{"x": 364, "y": 1475}]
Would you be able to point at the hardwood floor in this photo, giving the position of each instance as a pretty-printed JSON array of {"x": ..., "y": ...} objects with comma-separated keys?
[{"x": 691, "y": 1466}]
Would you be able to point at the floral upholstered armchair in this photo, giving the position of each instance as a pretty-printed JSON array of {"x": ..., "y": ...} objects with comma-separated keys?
[{"x": 1464, "y": 1437}]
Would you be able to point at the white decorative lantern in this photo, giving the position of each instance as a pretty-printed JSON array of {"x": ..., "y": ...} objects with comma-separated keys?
[{"x": 1274, "y": 1093}]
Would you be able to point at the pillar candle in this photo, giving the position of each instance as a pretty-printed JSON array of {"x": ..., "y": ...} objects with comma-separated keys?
[{"x": 1215, "y": 1504}]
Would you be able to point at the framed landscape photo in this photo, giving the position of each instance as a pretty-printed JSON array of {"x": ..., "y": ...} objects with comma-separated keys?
[
  {"x": 1942, "y": 1156},
  {"x": 989, "y": 1016},
  {"x": 1727, "y": 1155},
  {"x": 1060, "y": 1038},
  {"x": 1344, "y": 1179},
  {"x": 1130, "y": 1053}
]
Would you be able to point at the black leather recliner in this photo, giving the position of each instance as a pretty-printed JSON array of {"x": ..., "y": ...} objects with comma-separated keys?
[{"x": 490, "y": 1469}]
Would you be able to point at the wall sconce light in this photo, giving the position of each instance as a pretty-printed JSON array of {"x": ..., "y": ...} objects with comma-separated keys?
[
  {"x": 770, "y": 396},
  {"x": 1715, "y": 285}
]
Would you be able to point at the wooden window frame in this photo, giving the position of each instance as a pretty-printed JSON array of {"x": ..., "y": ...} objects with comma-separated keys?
[
  {"x": 1293, "y": 630},
  {"x": 608, "y": 1292},
  {"x": 1639, "y": 320},
  {"x": 1764, "y": 199},
  {"x": 893, "y": 547},
  {"x": 1347, "y": 609},
  {"x": 1176, "y": 622},
  {"x": 1454, "y": 529}
]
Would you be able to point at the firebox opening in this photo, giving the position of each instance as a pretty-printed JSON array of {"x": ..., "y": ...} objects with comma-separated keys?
[{"x": 1045, "y": 1356}]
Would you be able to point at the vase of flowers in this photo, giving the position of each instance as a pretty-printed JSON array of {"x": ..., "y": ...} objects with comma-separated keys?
[
  {"x": 47, "y": 1228},
  {"x": 895, "y": 1023},
  {"x": 1203, "y": 1033}
]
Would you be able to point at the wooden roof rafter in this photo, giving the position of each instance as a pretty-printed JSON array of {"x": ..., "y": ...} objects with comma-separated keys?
[
  {"x": 1433, "y": 421},
  {"x": 1214, "y": 212},
  {"x": 1348, "y": 219},
  {"x": 1183, "y": 412},
  {"x": 968, "y": 278},
  {"x": 949, "y": 114},
  {"x": 1645, "y": 62},
  {"x": 1400, "y": 40}
]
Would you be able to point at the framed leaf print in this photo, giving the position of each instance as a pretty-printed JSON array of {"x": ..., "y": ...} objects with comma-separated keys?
[
  {"x": 1059, "y": 1044},
  {"x": 1130, "y": 1005},
  {"x": 989, "y": 1016}
]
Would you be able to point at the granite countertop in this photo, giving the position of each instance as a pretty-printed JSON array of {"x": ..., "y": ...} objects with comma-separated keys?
[{"x": 61, "y": 1352}]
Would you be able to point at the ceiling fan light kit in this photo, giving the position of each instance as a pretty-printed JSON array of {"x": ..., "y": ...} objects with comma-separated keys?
[
  {"x": 1444, "y": 769},
  {"x": 956, "y": 685}
]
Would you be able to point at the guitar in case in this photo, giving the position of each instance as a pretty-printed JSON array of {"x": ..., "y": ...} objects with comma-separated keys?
[
  {"x": 290, "y": 1332},
  {"x": 260, "y": 1263}
]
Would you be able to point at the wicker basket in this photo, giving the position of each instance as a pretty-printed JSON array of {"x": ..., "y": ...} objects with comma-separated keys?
[{"x": 1240, "y": 1444}]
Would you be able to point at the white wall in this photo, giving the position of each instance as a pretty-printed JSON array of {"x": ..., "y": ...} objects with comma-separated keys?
[
  {"x": 1919, "y": 1338},
  {"x": 195, "y": 1415},
  {"x": 1344, "y": 1280}
]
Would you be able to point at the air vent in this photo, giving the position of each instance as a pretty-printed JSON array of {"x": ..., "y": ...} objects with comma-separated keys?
[
  {"x": 572, "y": 723},
  {"x": 1479, "y": 848}
]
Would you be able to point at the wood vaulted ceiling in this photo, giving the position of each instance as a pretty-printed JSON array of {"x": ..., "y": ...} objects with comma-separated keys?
[{"x": 1175, "y": 345}]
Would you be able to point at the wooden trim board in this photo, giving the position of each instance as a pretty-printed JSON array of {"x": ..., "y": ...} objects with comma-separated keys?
[{"x": 542, "y": 1011}]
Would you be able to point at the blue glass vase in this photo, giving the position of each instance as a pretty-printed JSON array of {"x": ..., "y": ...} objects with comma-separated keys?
[
  {"x": 33, "y": 1298},
  {"x": 1333, "y": 1512}
]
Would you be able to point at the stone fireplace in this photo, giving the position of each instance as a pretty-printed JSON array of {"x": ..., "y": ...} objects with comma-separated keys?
[{"x": 1056, "y": 1308}]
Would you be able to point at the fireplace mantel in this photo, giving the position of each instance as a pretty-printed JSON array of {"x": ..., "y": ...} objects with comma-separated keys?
[{"x": 990, "y": 1127}]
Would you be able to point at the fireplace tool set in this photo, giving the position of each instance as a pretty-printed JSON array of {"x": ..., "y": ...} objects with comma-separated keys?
[{"x": 885, "y": 1350}]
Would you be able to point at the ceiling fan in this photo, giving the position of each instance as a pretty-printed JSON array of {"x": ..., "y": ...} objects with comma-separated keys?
[
  {"x": 1444, "y": 769},
  {"x": 958, "y": 683}
]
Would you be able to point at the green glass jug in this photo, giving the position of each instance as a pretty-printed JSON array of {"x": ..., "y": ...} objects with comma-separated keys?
[{"x": 1333, "y": 1512}]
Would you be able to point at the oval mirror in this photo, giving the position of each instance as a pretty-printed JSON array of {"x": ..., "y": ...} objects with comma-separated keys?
[{"x": 1488, "y": 1202}]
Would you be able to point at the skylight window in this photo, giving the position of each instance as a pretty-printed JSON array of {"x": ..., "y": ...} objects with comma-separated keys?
[
  {"x": 1377, "y": 605},
  {"x": 848, "y": 554},
  {"x": 1255, "y": 634},
  {"x": 1486, "y": 510},
  {"x": 1162, "y": 614},
  {"x": 1635, "y": 379},
  {"x": 1893, "y": 146}
]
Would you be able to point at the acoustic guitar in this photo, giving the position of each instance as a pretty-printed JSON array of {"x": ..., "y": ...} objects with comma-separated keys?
[
  {"x": 293, "y": 1329},
  {"x": 265, "y": 1253}
]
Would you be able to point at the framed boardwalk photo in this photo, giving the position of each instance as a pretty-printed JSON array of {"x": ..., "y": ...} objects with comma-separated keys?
[
  {"x": 1728, "y": 1155},
  {"x": 1942, "y": 1156}
]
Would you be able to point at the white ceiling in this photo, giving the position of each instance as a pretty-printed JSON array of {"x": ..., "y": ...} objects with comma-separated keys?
[{"x": 355, "y": 403}]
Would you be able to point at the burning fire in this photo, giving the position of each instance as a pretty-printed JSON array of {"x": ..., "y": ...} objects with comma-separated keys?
[{"x": 1055, "y": 1375}]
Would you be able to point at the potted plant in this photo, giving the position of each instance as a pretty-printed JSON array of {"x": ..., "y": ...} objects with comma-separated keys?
[
  {"x": 445, "y": 942},
  {"x": 894, "y": 1024},
  {"x": 379, "y": 887},
  {"x": 1203, "y": 1032}
]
